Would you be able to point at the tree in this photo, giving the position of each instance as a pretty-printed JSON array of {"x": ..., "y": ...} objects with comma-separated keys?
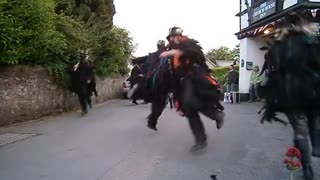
[
  {"x": 235, "y": 53},
  {"x": 88, "y": 28},
  {"x": 211, "y": 55},
  {"x": 28, "y": 32},
  {"x": 52, "y": 33},
  {"x": 223, "y": 53}
]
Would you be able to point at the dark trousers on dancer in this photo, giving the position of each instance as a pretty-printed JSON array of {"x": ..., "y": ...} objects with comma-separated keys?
[
  {"x": 196, "y": 126},
  {"x": 84, "y": 97},
  {"x": 157, "y": 107},
  {"x": 192, "y": 105},
  {"x": 304, "y": 128}
]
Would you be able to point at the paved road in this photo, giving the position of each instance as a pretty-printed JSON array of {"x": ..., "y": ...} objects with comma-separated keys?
[{"x": 113, "y": 143}]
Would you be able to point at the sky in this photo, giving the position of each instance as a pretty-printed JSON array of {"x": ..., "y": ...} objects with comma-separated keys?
[{"x": 212, "y": 22}]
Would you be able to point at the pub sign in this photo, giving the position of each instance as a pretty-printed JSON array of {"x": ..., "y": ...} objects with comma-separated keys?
[{"x": 263, "y": 10}]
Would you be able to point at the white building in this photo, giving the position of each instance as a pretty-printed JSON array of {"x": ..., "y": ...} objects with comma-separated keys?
[{"x": 258, "y": 21}]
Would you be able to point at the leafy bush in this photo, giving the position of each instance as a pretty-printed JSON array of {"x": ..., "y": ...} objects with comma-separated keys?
[
  {"x": 53, "y": 32},
  {"x": 118, "y": 47},
  {"x": 28, "y": 34},
  {"x": 221, "y": 73}
]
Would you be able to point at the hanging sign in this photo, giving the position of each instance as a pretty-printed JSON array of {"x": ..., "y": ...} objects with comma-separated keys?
[{"x": 263, "y": 10}]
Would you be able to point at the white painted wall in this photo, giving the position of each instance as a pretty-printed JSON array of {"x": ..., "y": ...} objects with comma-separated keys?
[
  {"x": 242, "y": 72},
  {"x": 243, "y": 6},
  {"x": 289, "y": 3},
  {"x": 314, "y": 0},
  {"x": 244, "y": 21},
  {"x": 249, "y": 51}
]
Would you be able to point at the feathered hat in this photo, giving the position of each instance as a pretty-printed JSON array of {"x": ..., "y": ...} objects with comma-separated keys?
[{"x": 174, "y": 31}]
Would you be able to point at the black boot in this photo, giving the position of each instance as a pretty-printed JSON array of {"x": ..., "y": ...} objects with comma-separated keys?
[
  {"x": 152, "y": 126},
  {"x": 220, "y": 119},
  {"x": 214, "y": 114},
  {"x": 303, "y": 146},
  {"x": 198, "y": 131},
  {"x": 315, "y": 140},
  {"x": 84, "y": 112},
  {"x": 199, "y": 145},
  {"x": 83, "y": 105}
]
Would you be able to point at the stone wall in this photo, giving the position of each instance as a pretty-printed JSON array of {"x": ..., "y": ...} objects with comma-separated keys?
[{"x": 29, "y": 92}]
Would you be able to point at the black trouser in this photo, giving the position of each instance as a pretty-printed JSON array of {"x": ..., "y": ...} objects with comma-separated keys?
[
  {"x": 303, "y": 128},
  {"x": 196, "y": 126},
  {"x": 84, "y": 96},
  {"x": 191, "y": 106},
  {"x": 157, "y": 107},
  {"x": 300, "y": 126},
  {"x": 314, "y": 127}
]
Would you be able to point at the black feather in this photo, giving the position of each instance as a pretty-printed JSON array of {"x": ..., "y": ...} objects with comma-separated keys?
[{"x": 293, "y": 69}]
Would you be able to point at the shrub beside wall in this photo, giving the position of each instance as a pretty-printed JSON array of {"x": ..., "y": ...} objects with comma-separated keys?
[{"x": 221, "y": 73}]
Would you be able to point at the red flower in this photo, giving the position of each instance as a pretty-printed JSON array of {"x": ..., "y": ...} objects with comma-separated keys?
[
  {"x": 287, "y": 161},
  {"x": 298, "y": 154},
  {"x": 296, "y": 164},
  {"x": 292, "y": 161},
  {"x": 293, "y": 152}
]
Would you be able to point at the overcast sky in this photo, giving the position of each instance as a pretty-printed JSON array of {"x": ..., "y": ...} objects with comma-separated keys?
[{"x": 211, "y": 22}]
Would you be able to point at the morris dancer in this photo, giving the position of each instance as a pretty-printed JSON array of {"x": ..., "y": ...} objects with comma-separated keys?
[
  {"x": 293, "y": 87},
  {"x": 193, "y": 88}
]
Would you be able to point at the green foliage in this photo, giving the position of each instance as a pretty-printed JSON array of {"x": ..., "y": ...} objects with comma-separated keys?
[
  {"x": 235, "y": 52},
  {"x": 224, "y": 53},
  {"x": 58, "y": 71},
  {"x": 83, "y": 12},
  {"x": 118, "y": 45},
  {"x": 221, "y": 73},
  {"x": 28, "y": 34},
  {"x": 53, "y": 32},
  {"x": 65, "y": 6}
]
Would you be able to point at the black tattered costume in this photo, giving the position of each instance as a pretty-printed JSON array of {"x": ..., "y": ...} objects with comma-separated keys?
[
  {"x": 187, "y": 76},
  {"x": 83, "y": 82},
  {"x": 134, "y": 79},
  {"x": 195, "y": 90},
  {"x": 156, "y": 85},
  {"x": 292, "y": 65}
]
